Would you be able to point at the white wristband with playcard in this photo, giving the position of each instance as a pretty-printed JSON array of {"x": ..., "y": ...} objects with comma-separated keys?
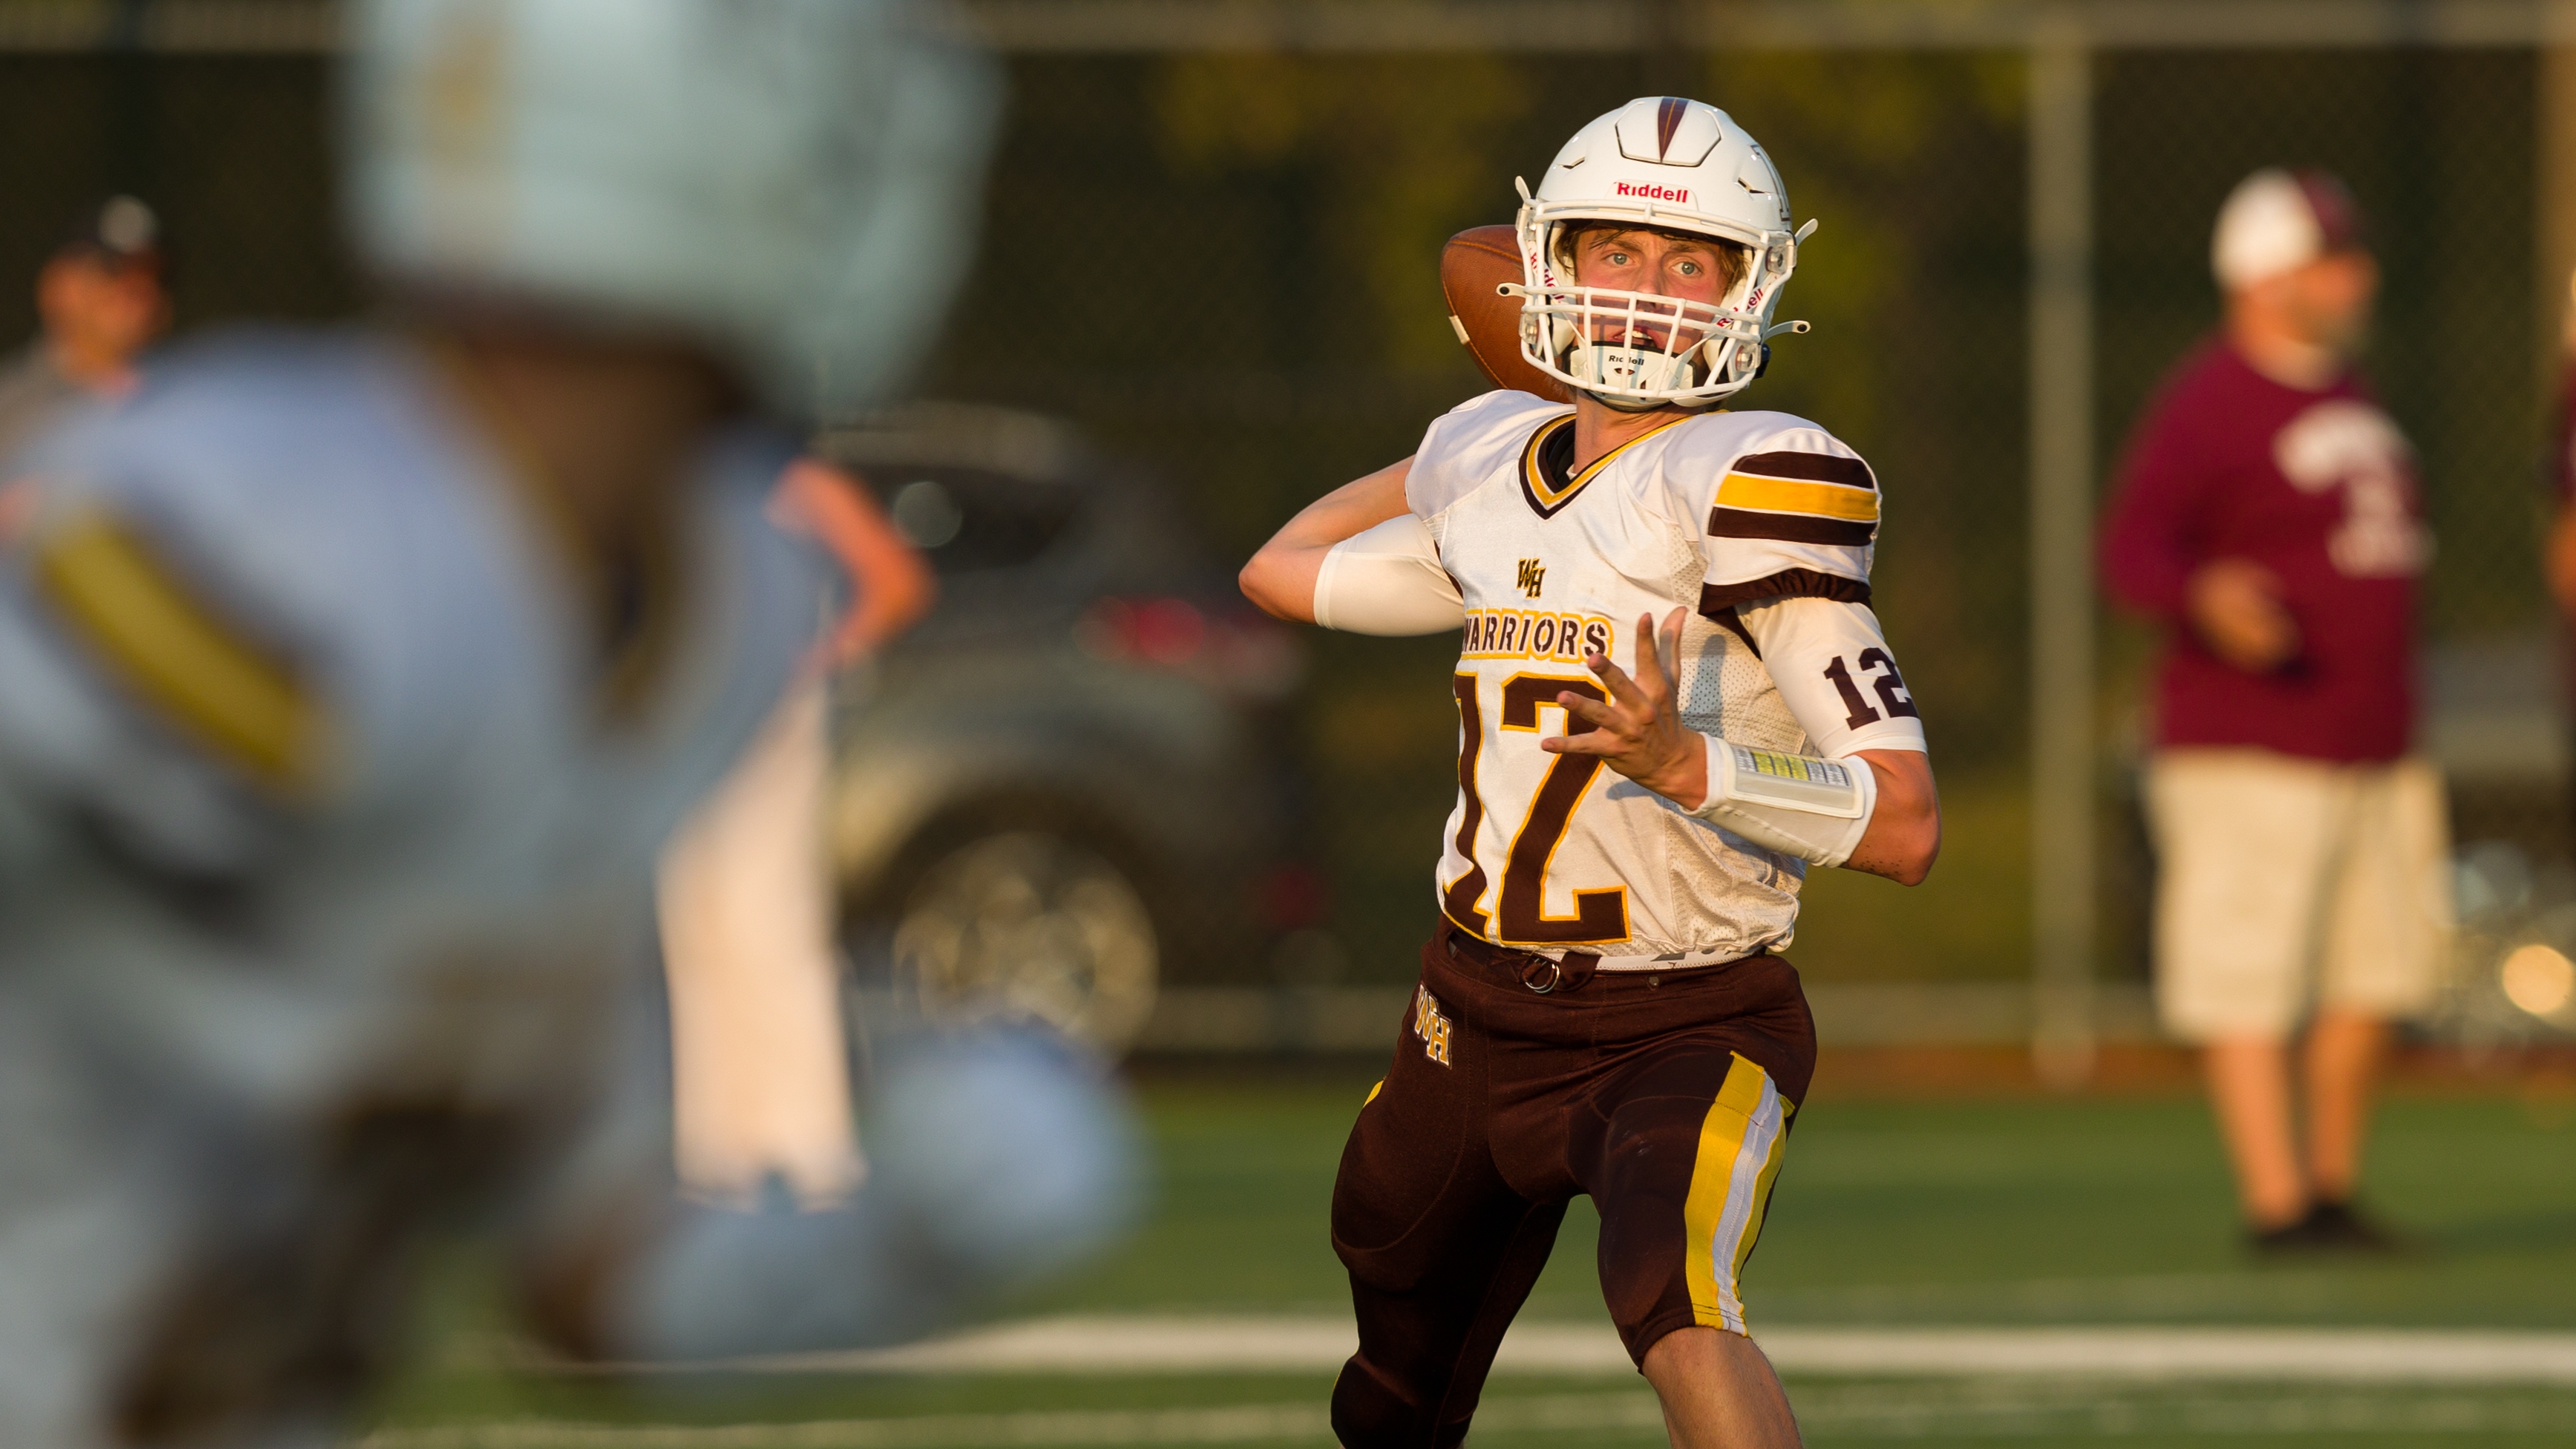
[{"x": 1802, "y": 805}]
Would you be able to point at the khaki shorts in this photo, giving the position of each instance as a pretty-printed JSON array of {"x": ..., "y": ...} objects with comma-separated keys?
[{"x": 2286, "y": 883}]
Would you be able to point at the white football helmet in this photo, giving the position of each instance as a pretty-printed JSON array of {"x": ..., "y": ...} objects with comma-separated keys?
[
  {"x": 1673, "y": 165},
  {"x": 795, "y": 182}
]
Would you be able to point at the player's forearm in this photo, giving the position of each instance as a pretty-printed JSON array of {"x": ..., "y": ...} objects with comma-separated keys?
[
  {"x": 1281, "y": 577},
  {"x": 891, "y": 582},
  {"x": 896, "y": 589},
  {"x": 1904, "y": 834}
]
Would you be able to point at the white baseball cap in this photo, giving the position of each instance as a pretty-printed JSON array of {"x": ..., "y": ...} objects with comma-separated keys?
[{"x": 2276, "y": 220}]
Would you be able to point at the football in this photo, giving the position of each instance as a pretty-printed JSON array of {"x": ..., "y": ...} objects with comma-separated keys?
[{"x": 1472, "y": 265}]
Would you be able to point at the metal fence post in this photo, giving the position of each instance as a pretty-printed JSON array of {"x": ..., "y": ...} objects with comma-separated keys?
[
  {"x": 2061, "y": 547},
  {"x": 2554, "y": 197}
]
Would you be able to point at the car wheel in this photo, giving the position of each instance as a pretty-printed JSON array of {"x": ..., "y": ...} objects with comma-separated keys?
[{"x": 1030, "y": 924}]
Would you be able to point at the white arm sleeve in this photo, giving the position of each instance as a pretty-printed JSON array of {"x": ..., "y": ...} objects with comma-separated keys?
[
  {"x": 1816, "y": 810},
  {"x": 1388, "y": 580},
  {"x": 1835, "y": 673}
]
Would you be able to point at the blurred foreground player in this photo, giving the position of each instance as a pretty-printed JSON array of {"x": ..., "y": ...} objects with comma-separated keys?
[
  {"x": 1603, "y": 1009},
  {"x": 2267, "y": 515},
  {"x": 101, "y": 299},
  {"x": 353, "y": 684}
]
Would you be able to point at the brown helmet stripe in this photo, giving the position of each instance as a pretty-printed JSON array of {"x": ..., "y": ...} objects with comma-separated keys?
[{"x": 1668, "y": 121}]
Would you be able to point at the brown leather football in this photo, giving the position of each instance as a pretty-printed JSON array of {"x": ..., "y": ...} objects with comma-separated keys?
[{"x": 1472, "y": 265}]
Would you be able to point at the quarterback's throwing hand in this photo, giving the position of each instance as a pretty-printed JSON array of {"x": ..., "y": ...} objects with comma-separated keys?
[{"x": 1638, "y": 731}]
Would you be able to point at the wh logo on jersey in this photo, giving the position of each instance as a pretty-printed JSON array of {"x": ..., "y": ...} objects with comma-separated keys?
[{"x": 1533, "y": 575}]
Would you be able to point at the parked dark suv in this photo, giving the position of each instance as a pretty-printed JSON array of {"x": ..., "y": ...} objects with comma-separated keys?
[{"x": 1069, "y": 783}]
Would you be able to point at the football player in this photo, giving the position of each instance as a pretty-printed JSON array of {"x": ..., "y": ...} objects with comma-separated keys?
[
  {"x": 1680, "y": 594},
  {"x": 353, "y": 682}
]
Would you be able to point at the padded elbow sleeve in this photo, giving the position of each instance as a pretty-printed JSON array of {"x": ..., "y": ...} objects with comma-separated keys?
[
  {"x": 1814, "y": 809},
  {"x": 1388, "y": 580}
]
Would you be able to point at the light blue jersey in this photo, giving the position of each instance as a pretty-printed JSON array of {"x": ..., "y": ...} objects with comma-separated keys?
[{"x": 324, "y": 802}]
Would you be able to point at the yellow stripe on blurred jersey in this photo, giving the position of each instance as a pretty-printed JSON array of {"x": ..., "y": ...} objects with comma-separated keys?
[
  {"x": 161, "y": 642},
  {"x": 1788, "y": 495}
]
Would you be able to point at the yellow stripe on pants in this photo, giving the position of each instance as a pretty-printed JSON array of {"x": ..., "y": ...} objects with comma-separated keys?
[{"x": 1739, "y": 1157}]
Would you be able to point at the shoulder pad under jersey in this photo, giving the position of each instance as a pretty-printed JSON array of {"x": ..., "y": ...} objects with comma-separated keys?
[
  {"x": 1784, "y": 507},
  {"x": 1466, "y": 446}
]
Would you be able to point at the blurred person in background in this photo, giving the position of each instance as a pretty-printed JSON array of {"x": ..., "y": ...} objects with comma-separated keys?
[
  {"x": 101, "y": 299},
  {"x": 2267, "y": 515},
  {"x": 1604, "y": 1010},
  {"x": 354, "y": 682},
  {"x": 760, "y": 1073}
]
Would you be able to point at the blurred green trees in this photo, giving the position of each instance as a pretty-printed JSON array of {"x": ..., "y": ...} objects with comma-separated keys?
[{"x": 1225, "y": 267}]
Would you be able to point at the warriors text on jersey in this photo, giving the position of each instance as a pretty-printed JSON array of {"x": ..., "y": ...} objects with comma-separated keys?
[{"x": 1557, "y": 852}]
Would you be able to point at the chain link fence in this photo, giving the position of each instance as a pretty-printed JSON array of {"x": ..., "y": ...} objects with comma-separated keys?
[{"x": 1222, "y": 263}]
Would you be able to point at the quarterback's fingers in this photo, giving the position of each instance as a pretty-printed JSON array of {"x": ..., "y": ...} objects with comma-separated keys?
[
  {"x": 1650, "y": 657},
  {"x": 1616, "y": 680},
  {"x": 1593, "y": 712},
  {"x": 1595, "y": 742},
  {"x": 1668, "y": 651}
]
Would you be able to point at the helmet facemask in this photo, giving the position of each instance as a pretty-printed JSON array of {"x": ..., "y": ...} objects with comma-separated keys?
[{"x": 1638, "y": 351}]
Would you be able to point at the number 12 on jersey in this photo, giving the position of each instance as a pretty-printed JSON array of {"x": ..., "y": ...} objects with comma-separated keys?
[{"x": 1520, "y": 916}]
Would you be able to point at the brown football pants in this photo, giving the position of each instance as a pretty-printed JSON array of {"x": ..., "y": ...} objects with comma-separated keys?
[{"x": 1665, "y": 1096}]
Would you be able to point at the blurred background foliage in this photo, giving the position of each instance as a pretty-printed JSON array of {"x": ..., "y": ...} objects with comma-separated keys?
[{"x": 1225, "y": 268}]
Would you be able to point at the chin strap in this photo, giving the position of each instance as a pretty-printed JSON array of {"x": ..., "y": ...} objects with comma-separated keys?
[
  {"x": 1644, "y": 367},
  {"x": 1654, "y": 370}
]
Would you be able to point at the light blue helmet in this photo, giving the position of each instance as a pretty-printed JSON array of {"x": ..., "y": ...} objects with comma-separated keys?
[{"x": 794, "y": 182}]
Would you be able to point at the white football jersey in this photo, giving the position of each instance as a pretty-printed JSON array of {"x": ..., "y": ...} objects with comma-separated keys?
[
  {"x": 1559, "y": 853},
  {"x": 321, "y": 794}
]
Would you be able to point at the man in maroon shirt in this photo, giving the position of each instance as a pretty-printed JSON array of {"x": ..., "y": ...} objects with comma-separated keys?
[{"x": 2267, "y": 515}]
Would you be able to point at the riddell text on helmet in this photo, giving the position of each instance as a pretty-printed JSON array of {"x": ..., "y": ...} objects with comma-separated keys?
[{"x": 1652, "y": 192}]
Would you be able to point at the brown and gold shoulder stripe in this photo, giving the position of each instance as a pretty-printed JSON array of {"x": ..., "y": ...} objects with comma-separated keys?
[
  {"x": 1545, "y": 456},
  {"x": 1799, "y": 497}
]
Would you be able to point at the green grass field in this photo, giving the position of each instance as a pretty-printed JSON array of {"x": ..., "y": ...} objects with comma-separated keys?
[{"x": 2001, "y": 1212}]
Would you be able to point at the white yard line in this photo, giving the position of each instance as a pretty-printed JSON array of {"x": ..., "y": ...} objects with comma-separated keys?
[
  {"x": 2318, "y": 1355},
  {"x": 2004, "y": 1383},
  {"x": 1245, "y": 1425},
  {"x": 1874, "y": 1413},
  {"x": 1191, "y": 1345}
]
